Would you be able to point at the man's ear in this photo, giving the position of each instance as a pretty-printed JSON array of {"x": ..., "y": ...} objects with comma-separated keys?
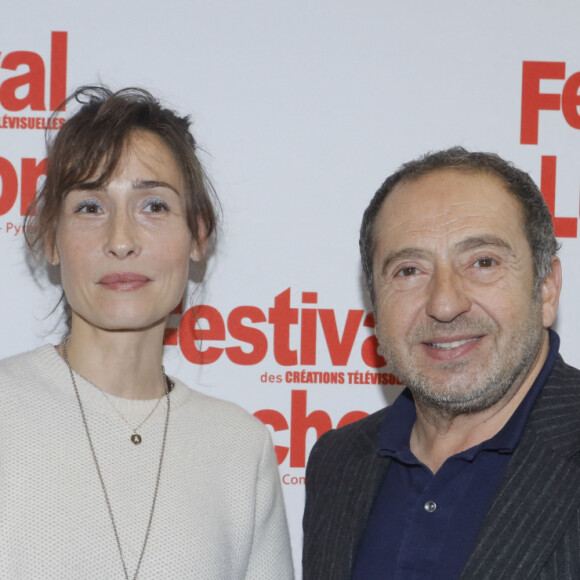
[
  {"x": 199, "y": 246},
  {"x": 550, "y": 293}
]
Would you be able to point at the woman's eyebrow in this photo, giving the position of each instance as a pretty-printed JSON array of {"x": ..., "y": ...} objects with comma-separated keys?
[{"x": 152, "y": 184}]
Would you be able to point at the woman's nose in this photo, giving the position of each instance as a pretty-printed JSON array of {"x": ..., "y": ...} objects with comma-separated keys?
[{"x": 121, "y": 236}]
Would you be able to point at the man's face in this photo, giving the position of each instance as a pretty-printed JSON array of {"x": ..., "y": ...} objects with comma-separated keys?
[{"x": 457, "y": 316}]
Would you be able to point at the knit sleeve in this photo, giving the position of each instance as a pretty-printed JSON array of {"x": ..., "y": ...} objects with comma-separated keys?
[{"x": 271, "y": 556}]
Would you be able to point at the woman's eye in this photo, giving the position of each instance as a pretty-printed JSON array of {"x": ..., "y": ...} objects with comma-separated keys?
[
  {"x": 156, "y": 206},
  {"x": 89, "y": 206}
]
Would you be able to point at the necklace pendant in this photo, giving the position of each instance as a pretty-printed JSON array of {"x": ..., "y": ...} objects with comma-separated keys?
[{"x": 136, "y": 439}]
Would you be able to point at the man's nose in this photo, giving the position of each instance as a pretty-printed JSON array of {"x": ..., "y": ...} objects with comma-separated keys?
[{"x": 447, "y": 298}]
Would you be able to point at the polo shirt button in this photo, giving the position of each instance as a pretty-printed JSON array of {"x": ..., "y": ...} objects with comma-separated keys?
[{"x": 430, "y": 506}]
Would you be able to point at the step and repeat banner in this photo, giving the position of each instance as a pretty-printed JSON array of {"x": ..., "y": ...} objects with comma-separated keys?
[{"x": 302, "y": 109}]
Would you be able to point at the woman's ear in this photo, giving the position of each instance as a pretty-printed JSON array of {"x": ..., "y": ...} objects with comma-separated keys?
[
  {"x": 199, "y": 246},
  {"x": 51, "y": 251}
]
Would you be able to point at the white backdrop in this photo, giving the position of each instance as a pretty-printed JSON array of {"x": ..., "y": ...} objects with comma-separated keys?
[{"x": 302, "y": 109}]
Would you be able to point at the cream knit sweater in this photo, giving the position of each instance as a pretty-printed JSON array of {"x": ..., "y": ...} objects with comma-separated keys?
[{"x": 219, "y": 514}]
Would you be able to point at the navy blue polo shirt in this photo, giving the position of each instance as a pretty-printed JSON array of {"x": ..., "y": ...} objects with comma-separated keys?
[{"x": 423, "y": 526}]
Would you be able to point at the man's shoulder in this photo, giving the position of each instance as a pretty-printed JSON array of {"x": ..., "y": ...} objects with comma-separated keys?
[
  {"x": 362, "y": 435},
  {"x": 555, "y": 418},
  {"x": 564, "y": 373},
  {"x": 562, "y": 385}
]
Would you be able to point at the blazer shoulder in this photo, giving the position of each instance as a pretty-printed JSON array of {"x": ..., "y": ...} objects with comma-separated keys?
[
  {"x": 359, "y": 433},
  {"x": 357, "y": 441},
  {"x": 555, "y": 418},
  {"x": 564, "y": 374}
]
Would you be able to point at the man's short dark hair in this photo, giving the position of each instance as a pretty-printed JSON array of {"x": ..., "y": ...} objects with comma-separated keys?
[{"x": 538, "y": 226}]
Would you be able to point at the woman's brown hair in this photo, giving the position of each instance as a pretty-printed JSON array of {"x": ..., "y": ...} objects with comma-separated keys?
[{"x": 90, "y": 144}]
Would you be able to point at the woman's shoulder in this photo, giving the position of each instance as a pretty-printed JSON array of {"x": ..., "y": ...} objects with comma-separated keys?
[
  {"x": 216, "y": 412},
  {"x": 27, "y": 364},
  {"x": 31, "y": 375}
]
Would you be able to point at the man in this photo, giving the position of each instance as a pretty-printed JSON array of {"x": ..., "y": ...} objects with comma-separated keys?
[{"x": 474, "y": 471}]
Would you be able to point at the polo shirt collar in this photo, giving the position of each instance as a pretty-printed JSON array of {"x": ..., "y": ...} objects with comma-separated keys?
[{"x": 395, "y": 432}]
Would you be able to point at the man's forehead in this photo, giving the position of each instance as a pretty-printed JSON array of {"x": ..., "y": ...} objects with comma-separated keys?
[
  {"x": 441, "y": 174},
  {"x": 444, "y": 187},
  {"x": 448, "y": 200}
]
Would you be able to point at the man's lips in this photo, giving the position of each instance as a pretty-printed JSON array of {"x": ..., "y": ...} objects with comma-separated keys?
[
  {"x": 123, "y": 281},
  {"x": 451, "y": 347},
  {"x": 450, "y": 343}
]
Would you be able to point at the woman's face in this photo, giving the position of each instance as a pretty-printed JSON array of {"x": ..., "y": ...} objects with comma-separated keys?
[{"x": 124, "y": 249}]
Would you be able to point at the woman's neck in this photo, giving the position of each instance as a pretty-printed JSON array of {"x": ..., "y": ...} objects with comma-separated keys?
[{"x": 122, "y": 363}]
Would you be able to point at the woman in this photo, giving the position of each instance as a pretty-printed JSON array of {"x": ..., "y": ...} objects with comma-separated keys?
[{"x": 109, "y": 468}]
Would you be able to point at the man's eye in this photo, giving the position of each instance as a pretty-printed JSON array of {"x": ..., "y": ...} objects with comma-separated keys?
[
  {"x": 485, "y": 262},
  {"x": 407, "y": 271}
]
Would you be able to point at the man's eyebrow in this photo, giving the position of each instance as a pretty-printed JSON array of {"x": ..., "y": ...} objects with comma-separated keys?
[
  {"x": 404, "y": 254},
  {"x": 466, "y": 245},
  {"x": 481, "y": 242},
  {"x": 152, "y": 184}
]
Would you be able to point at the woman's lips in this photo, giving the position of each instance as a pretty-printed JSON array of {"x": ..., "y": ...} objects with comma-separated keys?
[{"x": 123, "y": 281}]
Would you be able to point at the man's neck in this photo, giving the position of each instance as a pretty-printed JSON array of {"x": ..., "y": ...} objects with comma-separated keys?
[{"x": 436, "y": 436}]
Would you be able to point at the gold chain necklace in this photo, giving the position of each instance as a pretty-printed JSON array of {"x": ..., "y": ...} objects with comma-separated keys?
[
  {"x": 136, "y": 437},
  {"x": 97, "y": 466}
]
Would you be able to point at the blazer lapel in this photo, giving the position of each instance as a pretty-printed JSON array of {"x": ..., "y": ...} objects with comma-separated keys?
[
  {"x": 345, "y": 478},
  {"x": 540, "y": 490},
  {"x": 357, "y": 503}
]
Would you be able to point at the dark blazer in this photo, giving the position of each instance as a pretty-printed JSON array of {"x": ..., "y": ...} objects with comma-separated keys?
[{"x": 532, "y": 528}]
